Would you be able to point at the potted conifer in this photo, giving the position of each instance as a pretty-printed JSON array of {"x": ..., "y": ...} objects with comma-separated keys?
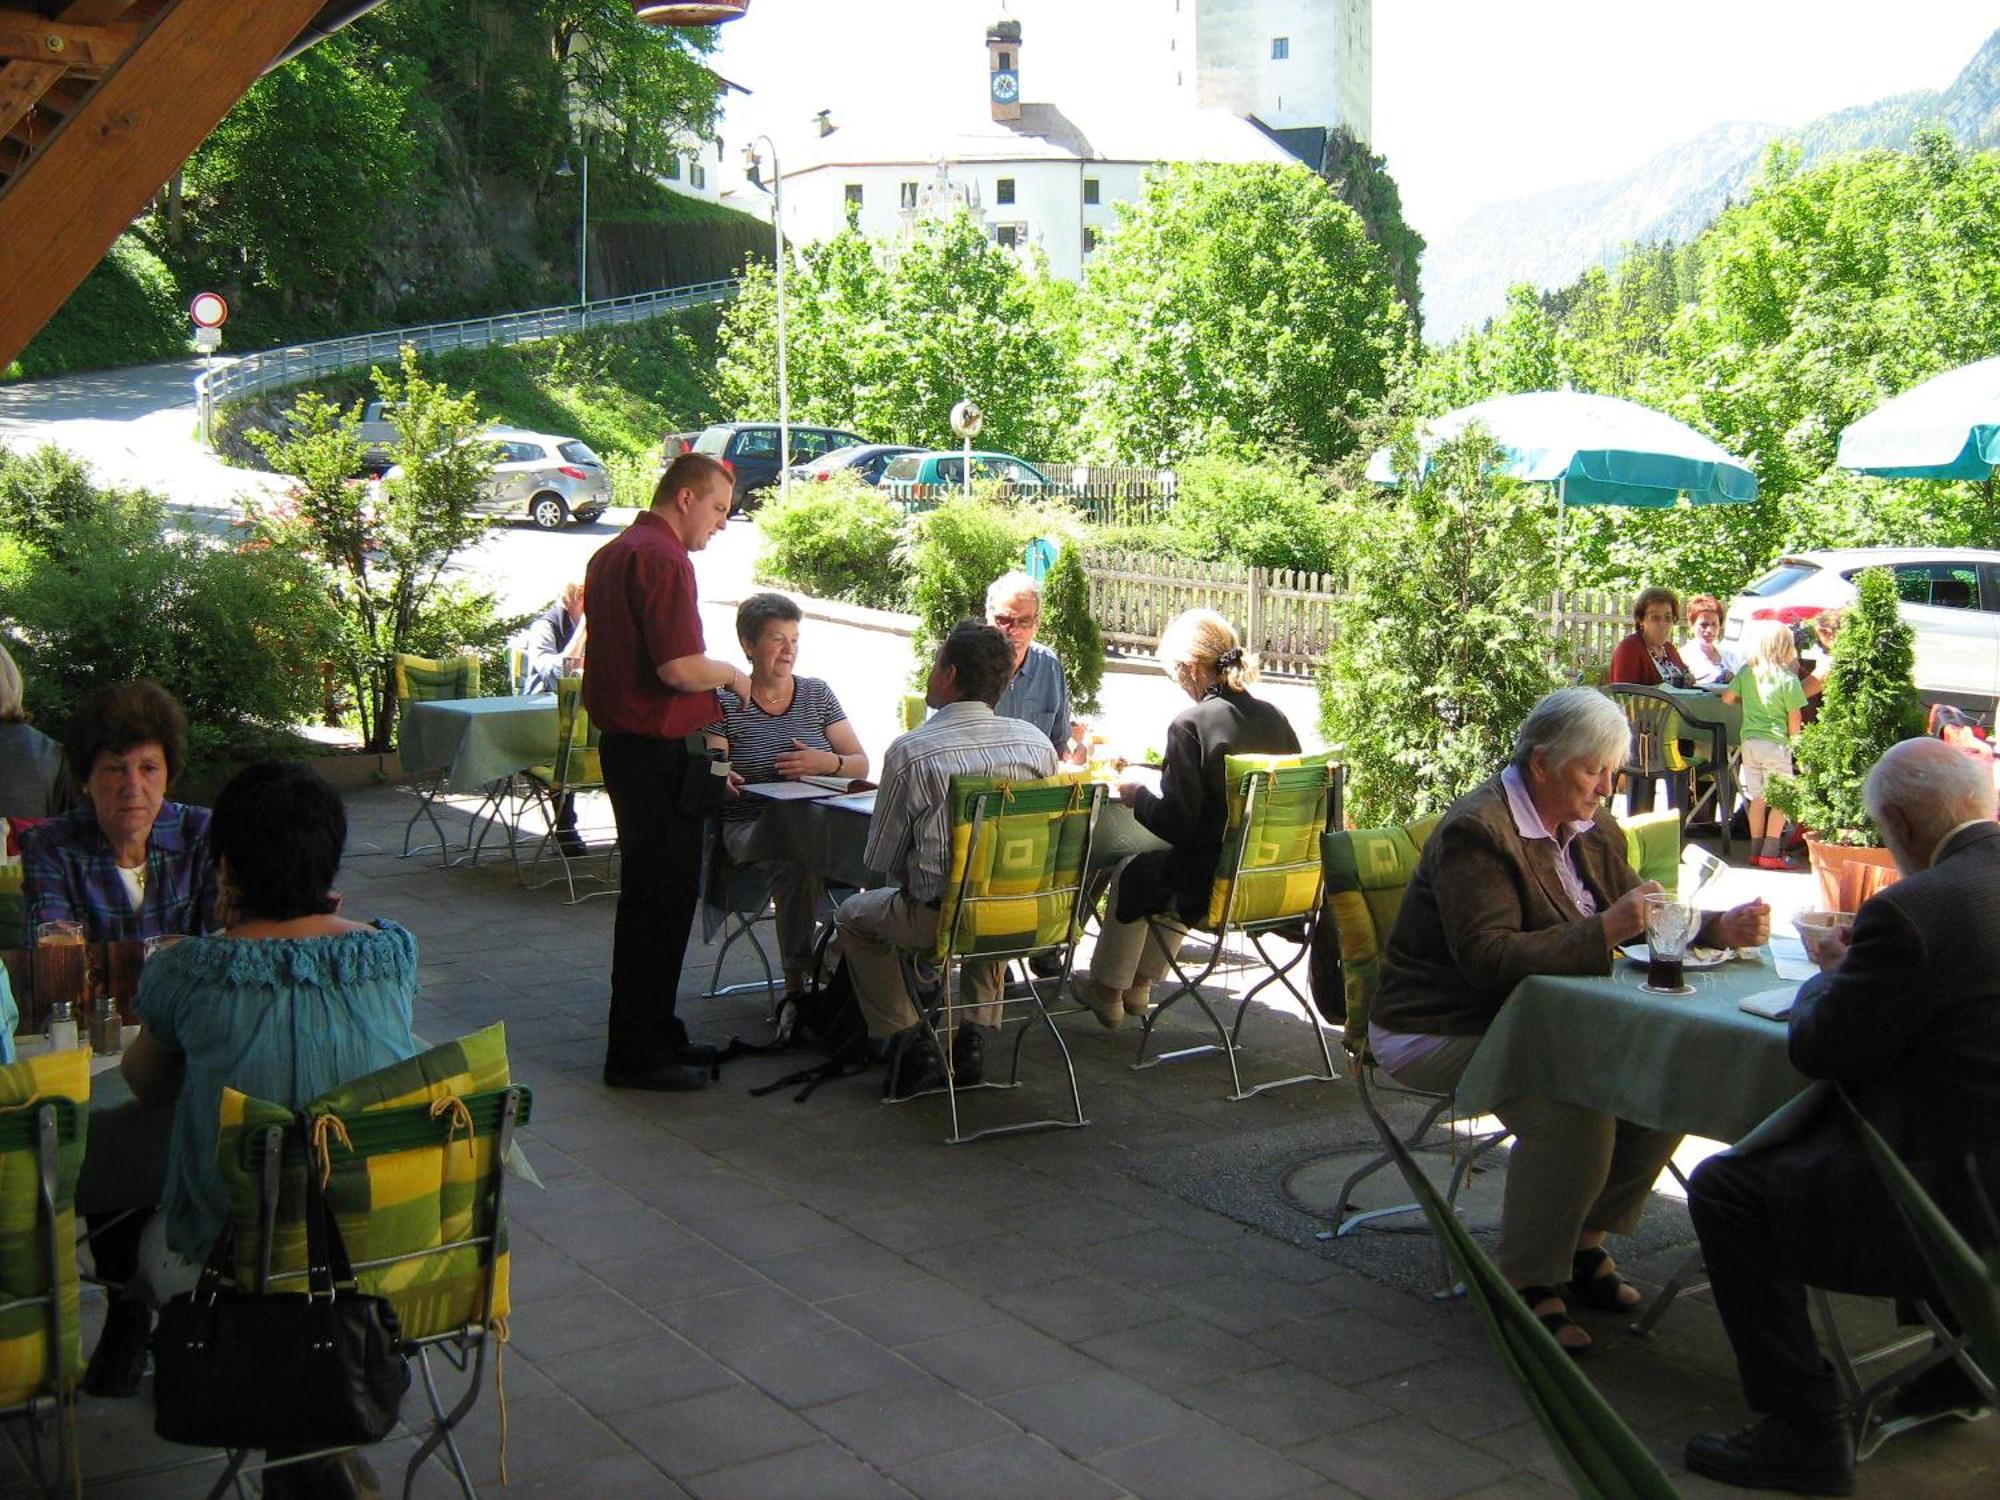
[{"x": 1870, "y": 702}]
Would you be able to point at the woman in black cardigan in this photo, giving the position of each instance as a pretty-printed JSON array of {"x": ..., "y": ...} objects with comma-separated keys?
[{"x": 1200, "y": 651}]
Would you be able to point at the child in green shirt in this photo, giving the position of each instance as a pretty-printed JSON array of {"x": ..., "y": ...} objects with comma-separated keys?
[{"x": 1773, "y": 702}]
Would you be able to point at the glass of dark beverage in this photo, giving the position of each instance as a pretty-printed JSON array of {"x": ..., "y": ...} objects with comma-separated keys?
[
  {"x": 62, "y": 964},
  {"x": 1670, "y": 924}
]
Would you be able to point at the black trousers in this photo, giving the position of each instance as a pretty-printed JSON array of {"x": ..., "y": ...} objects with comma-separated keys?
[
  {"x": 661, "y": 851},
  {"x": 1763, "y": 1249}
]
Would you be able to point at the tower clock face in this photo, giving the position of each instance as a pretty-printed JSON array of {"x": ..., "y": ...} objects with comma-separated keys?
[{"x": 1006, "y": 86}]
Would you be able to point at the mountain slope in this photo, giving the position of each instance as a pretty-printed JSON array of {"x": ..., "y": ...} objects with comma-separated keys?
[{"x": 1548, "y": 239}]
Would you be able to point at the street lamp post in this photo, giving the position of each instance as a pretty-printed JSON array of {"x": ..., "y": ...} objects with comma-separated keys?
[
  {"x": 583, "y": 226},
  {"x": 751, "y": 164}
]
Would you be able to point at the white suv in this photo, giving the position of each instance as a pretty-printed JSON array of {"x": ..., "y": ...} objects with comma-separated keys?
[{"x": 1950, "y": 598}]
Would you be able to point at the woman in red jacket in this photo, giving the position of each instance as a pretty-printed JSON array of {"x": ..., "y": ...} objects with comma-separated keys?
[{"x": 1647, "y": 657}]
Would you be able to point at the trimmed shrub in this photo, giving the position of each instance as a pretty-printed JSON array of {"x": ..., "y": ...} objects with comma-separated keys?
[
  {"x": 1070, "y": 630},
  {"x": 954, "y": 552},
  {"x": 836, "y": 540}
]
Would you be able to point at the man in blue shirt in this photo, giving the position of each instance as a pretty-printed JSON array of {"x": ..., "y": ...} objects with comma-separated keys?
[{"x": 1037, "y": 692}]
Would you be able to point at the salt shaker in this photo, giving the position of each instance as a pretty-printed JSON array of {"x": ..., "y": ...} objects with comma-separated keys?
[{"x": 62, "y": 1026}]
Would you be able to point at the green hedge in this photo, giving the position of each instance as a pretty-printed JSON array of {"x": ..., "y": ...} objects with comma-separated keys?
[
  {"x": 128, "y": 311},
  {"x": 834, "y": 540}
]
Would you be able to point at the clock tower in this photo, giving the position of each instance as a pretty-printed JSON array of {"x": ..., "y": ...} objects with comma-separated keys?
[{"x": 1003, "y": 80}]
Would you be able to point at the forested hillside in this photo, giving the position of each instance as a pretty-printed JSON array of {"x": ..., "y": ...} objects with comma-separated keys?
[{"x": 409, "y": 169}]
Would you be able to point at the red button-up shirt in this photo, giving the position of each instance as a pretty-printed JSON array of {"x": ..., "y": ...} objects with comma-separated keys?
[{"x": 643, "y": 611}]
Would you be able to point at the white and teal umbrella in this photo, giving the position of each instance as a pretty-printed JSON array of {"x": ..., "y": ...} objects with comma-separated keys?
[
  {"x": 1596, "y": 450},
  {"x": 1946, "y": 428}
]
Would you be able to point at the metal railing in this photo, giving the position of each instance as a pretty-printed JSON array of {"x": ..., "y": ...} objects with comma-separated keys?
[{"x": 275, "y": 369}]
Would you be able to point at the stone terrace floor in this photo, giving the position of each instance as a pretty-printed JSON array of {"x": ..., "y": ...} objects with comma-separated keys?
[{"x": 725, "y": 1296}]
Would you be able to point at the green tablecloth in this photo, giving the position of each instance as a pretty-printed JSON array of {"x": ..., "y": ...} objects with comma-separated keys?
[
  {"x": 477, "y": 740},
  {"x": 1698, "y": 706},
  {"x": 828, "y": 837},
  {"x": 1694, "y": 1063}
]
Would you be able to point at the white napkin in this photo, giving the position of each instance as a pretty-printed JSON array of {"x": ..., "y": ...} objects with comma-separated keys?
[{"x": 1788, "y": 956}]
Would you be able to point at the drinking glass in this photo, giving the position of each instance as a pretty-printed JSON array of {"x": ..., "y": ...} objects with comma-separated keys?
[
  {"x": 62, "y": 963},
  {"x": 1670, "y": 923}
]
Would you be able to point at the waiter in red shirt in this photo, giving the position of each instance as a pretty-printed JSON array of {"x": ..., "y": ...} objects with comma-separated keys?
[{"x": 650, "y": 685}]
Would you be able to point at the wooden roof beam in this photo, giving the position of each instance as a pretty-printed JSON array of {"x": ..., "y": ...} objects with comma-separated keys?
[
  {"x": 62, "y": 211},
  {"x": 26, "y": 36},
  {"x": 21, "y": 85}
]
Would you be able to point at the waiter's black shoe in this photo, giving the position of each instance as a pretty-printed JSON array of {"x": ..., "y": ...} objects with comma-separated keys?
[
  {"x": 697, "y": 1054},
  {"x": 1809, "y": 1455},
  {"x": 667, "y": 1078}
]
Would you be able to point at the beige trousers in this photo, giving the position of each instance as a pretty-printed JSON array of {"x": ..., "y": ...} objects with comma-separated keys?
[
  {"x": 1570, "y": 1170},
  {"x": 874, "y": 926},
  {"x": 795, "y": 891},
  {"x": 1129, "y": 954}
]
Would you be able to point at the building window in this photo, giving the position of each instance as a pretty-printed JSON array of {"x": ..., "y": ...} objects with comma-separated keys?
[
  {"x": 1003, "y": 190},
  {"x": 1281, "y": 48},
  {"x": 1090, "y": 190},
  {"x": 1008, "y": 236},
  {"x": 673, "y": 169},
  {"x": 697, "y": 178},
  {"x": 1089, "y": 240},
  {"x": 909, "y": 198},
  {"x": 853, "y": 193},
  {"x": 1006, "y": 62}
]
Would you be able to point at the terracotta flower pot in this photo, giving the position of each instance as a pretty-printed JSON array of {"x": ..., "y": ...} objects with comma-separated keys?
[{"x": 1849, "y": 876}]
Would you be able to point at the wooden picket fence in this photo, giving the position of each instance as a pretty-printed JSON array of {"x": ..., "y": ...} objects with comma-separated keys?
[
  {"x": 1132, "y": 501},
  {"x": 1287, "y": 615}
]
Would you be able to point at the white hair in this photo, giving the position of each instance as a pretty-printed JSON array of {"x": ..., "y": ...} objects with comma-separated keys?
[
  {"x": 10, "y": 688},
  {"x": 1931, "y": 785},
  {"x": 1571, "y": 723},
  {"x": 1010, "y": 586}
]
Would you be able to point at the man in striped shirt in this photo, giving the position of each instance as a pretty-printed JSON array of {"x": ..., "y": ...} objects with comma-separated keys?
[{"x": 909, "y": 840}]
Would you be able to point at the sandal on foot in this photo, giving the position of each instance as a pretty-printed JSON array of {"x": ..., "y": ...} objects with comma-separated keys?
[
  {"x": 1570, "y": 1335},
  {"x": 1107, "y": 1005},
  {"x": 1594, "y": 1281}
]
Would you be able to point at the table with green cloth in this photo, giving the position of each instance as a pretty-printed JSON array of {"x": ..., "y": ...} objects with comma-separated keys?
[
  {"x": 1695, "y": 1064},
  {"x": 828, "y": 835},
  {"x": 1716, "y": 729},
  {"x": 477, "y": 741}
]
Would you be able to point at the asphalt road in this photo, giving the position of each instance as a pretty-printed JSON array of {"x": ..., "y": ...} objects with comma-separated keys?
[{"x": 137, "y": 427}]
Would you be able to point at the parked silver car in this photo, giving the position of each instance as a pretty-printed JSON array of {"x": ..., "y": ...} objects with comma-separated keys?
[{"x": 541, "y": 476}]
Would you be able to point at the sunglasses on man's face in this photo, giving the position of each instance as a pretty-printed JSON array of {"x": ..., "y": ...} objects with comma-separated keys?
[{"x": 1008, "y": 622}]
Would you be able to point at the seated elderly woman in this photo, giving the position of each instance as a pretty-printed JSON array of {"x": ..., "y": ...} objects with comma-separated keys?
[
  {"x": 1527, "y": 874},
  {"x": 289, "y": 1000},
  {"x": 34, "y": 782},
  {"x": 787, "y": 728},
  {"x": 126, "y": 863},
  {"x": 1202, "y": 653},
  {"x": 1646, "y": 657}
]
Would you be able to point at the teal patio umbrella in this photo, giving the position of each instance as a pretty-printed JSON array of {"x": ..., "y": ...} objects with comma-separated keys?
[
  {"x": 1596, "y": 450},
  {"x": 1946, "y": 428}
]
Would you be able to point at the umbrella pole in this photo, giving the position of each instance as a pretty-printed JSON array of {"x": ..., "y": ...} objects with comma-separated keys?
[{"x": 1562, "y": 642}]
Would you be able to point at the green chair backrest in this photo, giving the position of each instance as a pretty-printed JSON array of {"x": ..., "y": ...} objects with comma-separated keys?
[
  {"x": 1969, "y": 1286},
  {"x": 1655, "y": 748},
  {"x": 1019, "y": 853},
  {"x": 413, "y": 1188},
  {"x": 1279, "y": 805},
  {"x": 577, "y": 762},
  {"x": 44, "y": 1115},
  {"x": 425, "y": 679},
  {"x": 915, "y": 710},
  {"x": 13, "y": 908},
  {"x": 1598, "y": 1451},
  {"x": 1367, "y": 872},
  {"x": 1653, "y": 845},
  {"x": 517, "y": 667}
]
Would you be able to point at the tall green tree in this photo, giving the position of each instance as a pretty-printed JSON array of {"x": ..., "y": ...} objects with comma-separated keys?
[{"x": 1236, "y": 306}]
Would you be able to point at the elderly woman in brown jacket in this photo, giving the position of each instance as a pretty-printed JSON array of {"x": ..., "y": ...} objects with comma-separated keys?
[{"x": 1528, "y": 875}]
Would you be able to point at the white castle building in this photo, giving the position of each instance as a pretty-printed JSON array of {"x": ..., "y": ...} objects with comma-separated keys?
[{"x": 1204, "y": 81}]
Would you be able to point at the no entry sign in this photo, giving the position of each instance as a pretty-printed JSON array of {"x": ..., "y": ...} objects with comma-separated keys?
[{"x": 208, "y": 310}]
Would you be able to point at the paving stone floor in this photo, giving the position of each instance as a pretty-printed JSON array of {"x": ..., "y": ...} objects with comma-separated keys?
[{"x": 726, "y": 1296}]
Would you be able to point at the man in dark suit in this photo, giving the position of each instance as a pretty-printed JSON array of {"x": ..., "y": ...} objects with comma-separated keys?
[{"x": 1905, "y": 1014}]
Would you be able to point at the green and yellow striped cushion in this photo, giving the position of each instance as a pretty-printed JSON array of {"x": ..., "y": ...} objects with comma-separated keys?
[
  {"x": 434, "y": 679},
  {"x": 13, "y": 907},
  {"x": 24, "y": 1262},
  {"x": 1653, "y": 844},
  {"x": 1367, "y": 872},
  {"x": 1280, "y": 873},
  {"x": 395, "y": 1193},
  {"x": 1033, "y": 841}
]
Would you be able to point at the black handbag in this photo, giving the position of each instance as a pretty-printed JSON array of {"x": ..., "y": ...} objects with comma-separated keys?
[{"x": 285, "y": 1370}]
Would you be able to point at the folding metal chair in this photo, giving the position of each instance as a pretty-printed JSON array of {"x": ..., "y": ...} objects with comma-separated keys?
[
  {"x": 41, "y": 1355},
  {"x": 417, "y": 1176},
  {"x": 575, "y": 770},
  {"x": 1020, "y": 861},
  {"x": 741, "y": 895},
  {"x": 1268, "y": 884},
  {"x": 1368, "y": 871},
  {"x": 424, "y": 679}
]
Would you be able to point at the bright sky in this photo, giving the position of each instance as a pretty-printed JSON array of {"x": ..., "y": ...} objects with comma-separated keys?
[{"x": 1475, "y": 100}]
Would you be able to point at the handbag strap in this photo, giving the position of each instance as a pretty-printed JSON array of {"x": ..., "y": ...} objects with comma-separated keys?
[{"x": 327, "y": 1265}]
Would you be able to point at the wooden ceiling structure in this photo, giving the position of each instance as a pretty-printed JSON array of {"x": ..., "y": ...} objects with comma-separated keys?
[{"x": 101, "y": 101}]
